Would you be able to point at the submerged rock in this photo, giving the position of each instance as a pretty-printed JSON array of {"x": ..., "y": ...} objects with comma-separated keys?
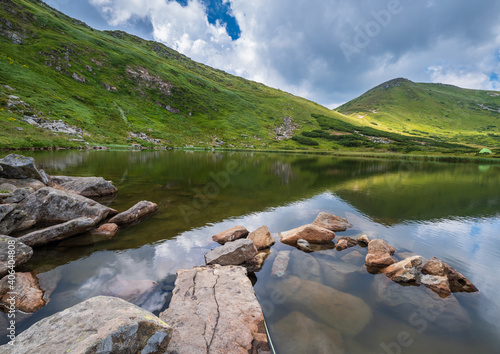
[
  {"x": 345, "y": 243},
  {"x": 405, "y": 271},
  {"x": 280, "y": 264},
  {"x": 262, "y": 238},
  {"x": 344, "y": 312},
  {"x": 57, "y": 232},
  {"x": 379, "y": 254},
  {"x": 22, "y": 253},
  {"x": 214, "y": 310},
  {"x": 84, "y": 186},
  {"x": 338, "y": 274},
  {"x": 98, "y": 325},
  {"x": 354, "y": 257},
  {"x": 28, "y": 295},
  {"x": 310, "y": 233},
  {"x": 232, "y": 253},
  {"x": 305, "y": 266},
  {"x": 311, "y": 336},
  {"x": 458, "y": 283},
  {"x": 256, "y": 263},
  {"x": 331, "y": 222},
  {"x": 420, "y": 302},
  {"x": 20, "y": 167},
  {"x": 231, "y": 234},
  {"x": 139, "y": 211}
]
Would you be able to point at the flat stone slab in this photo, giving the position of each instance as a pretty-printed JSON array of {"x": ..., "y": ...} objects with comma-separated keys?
[
  {"x": 84, "y": 186},
  {"x": 232, "y": 253},
  {"x": 100, "y": 324},
  {"x": 214, "y": 310}
]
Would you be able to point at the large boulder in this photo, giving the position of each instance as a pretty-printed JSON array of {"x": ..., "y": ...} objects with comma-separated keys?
[
  {"x": 13, "y": 253},
  {"x": 405, "y": 271},
  {"x": 232, "y": 253},
  {"x": 262, "y": 238},
  {"x": 136, "y": 213},
  {"x": 20, "y": 167},
  {"x": 310, "y": 233},
  {"x": 24, "y": 183},
  {"x": 57, "y": 232},
  {"x": 98, "y": 325},
  {"x": 28, "y": 295},
  {"x": 49, "y": 205},
  {"x": 231, "y": 234},
  {"x": 458, "y": 283},
  {"x": 331, "y": 222},
  {"x": 297, "y": 333},
  {"x": 379, "y": 254},
  {"x": 214, "y": 310},
  {"x": 344, "y": 312},
  {"x": 89, "y": 187}
]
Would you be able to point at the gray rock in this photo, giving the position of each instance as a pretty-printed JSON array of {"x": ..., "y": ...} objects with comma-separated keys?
[
  {"x": 331, "y": 222},
  {"x": 84, "y": 186},
  {"x": 24, "y": 183},
  {"x": 49, "y": 205},
  {"x": 18, "y": 195},
  {"x": 136, "y": 213},
  {"x": 57, "y": 232},
  {"x": 22, "y": 253},
  {"x": 280, "y": 264},
  {"x": 7, "y": 188},
  {"x": 5, "y": 209},
  {"x": 98, "y": 325},
  {"x": 20, "y": 167},
  {"x": 231, "y": 234},
  {"x": 214, "y": 310},
  {"x": 232, "y": 253}
]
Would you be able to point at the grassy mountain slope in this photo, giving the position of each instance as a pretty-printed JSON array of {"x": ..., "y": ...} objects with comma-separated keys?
[
  {"x": 111, "y": 84},
  {"x": 430, "y": 110}
]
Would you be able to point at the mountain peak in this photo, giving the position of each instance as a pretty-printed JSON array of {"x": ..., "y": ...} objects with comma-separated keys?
[{"x": 400, "y": 81}]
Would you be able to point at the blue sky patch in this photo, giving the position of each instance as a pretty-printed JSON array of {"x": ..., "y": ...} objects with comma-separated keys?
[{"x": 219, "y": 10}]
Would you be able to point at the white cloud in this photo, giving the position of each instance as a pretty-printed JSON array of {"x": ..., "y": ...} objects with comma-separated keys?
[{"x": 295, "y": 45}]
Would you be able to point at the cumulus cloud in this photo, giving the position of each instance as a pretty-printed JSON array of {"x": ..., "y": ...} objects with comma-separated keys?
[{"x": 331, "y": 51}]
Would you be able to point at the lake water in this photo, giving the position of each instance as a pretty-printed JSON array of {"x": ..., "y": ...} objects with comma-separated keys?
[{"x": 450, "y": 211}]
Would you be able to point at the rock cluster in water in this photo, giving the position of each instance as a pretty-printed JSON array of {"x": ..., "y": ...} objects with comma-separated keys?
[{"x": 36, "y": 209}]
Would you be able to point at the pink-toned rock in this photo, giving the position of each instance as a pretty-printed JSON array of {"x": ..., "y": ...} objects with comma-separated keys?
[
  {"x": 331, "y": 222},
  {"x": 136, "y": 213},
  {"x": 405, "y": 271},
  {"x": 458, "y": 283},
  {"x": 363, "y": 240},
  {"x": 256, "y": 263},
  {"x": 438, "y": 284},
  {"x": 231, "y": 234},
  {"x": 106, "y": 230},
  {"x": 28, "y": 297},
  {"x": 310, "y": 233},
  {"x": 379, "y": 254},
  {"x": 262, "y": 238},
  {"x": 345, "y": 243}
]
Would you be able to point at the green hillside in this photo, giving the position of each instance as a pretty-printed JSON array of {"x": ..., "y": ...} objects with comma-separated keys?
[
  {"x": 111, "y": 84},
  {"x": 430, "y": 110}
]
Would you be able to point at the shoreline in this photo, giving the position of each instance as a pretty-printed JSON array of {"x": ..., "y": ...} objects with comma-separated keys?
[{"x": 355, "y": 154}]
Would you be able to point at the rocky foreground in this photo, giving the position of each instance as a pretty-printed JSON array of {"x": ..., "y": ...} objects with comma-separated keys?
[{"x": 213, "y": 308}]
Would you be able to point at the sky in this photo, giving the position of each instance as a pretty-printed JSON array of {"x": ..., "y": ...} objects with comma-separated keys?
[{"x": 329, "y": 51}]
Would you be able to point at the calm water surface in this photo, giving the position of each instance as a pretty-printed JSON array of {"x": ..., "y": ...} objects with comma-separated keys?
[{"x": 451, "y": 211}]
